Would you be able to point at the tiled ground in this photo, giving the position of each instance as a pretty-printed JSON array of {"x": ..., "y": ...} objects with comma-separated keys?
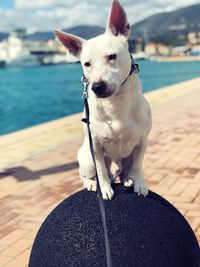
[{"x": 32, "y": 186}]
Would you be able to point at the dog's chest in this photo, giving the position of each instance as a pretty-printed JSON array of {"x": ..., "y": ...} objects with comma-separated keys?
[{"x": 117, "y": 138}]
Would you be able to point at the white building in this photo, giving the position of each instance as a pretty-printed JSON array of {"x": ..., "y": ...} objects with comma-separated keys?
[{"x": 3, "y": 51}]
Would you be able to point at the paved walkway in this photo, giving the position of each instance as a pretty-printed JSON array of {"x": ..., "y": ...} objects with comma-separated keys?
[{"x": 39, "y": 168}]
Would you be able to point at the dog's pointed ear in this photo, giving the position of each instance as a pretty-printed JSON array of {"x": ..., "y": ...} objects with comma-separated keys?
[
  {"x": 73, "y": 43},
  {"x": 117, "y": 20}
]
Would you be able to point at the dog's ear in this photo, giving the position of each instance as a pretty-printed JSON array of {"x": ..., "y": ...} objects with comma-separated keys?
[
  {"x": 71, "y": 42},
  {"x": 117, "y": 20}
]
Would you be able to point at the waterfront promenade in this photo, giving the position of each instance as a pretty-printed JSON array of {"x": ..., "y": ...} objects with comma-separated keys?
[{"x": 38, "y": 167}]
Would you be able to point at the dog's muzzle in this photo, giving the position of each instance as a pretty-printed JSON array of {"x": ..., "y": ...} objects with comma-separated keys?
[{"x": 101, "y": 89}]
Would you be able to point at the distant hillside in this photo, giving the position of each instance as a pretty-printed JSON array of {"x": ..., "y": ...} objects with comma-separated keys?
[
  {"x": 83, "y": 31},
  {"x": 169, "y": 27},
  {"x": 41, "y": 36}
]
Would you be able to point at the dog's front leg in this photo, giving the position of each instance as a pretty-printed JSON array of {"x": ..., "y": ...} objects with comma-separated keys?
[
  {"x": 86, "y": 166},
  {"x": 87, "y": 170},
  {"x": 135, "y": 174},
  {"x": 104, "y": 181}
]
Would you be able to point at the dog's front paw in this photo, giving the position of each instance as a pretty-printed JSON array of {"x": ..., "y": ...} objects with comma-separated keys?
[
  {"x": 90, "y": 185},
  {"x": 107, "y": 192},
  {"x": 128, "y": 182},
  {"x": 140, "y": 187}
]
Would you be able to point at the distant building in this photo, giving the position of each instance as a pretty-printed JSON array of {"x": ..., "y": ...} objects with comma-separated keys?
[
  {"x": 179, "y": 51},
  {"x": 152, "y": 49},
  {"x": 194, "y": 38},
  {"x": 178, "y": 27}
]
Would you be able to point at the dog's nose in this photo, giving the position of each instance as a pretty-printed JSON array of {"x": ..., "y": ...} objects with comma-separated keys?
[{"x": 99, "y": 88}]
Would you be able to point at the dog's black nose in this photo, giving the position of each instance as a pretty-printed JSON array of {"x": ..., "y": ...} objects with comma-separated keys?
[{"x": 99, "y": 88}]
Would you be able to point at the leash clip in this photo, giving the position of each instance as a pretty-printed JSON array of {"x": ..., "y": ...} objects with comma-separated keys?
[
  {"x": 134, "y": 66},
  {"x": 85, "y": 83}
]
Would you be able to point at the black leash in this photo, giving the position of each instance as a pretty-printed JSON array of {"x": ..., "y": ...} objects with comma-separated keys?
[
  {"x": 84, "y": 80},
  {"x": 99, "y": 194}
]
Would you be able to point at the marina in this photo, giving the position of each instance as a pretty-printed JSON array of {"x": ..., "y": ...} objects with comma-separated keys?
[{"x": 18, "y": 49}]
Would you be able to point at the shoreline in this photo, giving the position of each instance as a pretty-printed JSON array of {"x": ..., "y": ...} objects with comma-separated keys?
[
  {"x": 176, "y": 58},
  {"x": 26, "y": 143}
]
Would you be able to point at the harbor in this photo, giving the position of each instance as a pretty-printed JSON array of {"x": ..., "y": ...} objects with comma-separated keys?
[{"x": 19, "y": 49}]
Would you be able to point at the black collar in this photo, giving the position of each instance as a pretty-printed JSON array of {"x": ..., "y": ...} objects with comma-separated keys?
[{"x": 134, "y": 69}]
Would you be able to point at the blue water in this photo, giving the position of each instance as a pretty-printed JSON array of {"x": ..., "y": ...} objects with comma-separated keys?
[{"x": 30, "y": 96}]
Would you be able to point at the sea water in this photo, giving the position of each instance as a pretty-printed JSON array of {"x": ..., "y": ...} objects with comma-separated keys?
[{"x": 33, "y": 95}]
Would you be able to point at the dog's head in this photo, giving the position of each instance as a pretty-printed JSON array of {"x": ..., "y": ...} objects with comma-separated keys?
[{"x": 105, "y": 59}]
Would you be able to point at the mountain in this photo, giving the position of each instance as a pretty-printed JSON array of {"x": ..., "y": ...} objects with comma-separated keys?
[
  {"x": 86, "y": 32},
  {"x": 170, "y": 26},
  {"x": 41, "y": 36},
  {"x": 83, "y": 31}
]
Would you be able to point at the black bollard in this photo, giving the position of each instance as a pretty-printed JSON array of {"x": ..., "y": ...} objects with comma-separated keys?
[{"x": 143, "y": 232}]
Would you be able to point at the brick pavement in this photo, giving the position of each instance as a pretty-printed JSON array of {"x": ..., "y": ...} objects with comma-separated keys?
[{"x": 44, "y": 172}]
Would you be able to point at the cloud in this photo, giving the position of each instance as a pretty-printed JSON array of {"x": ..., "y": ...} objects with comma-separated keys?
[
  {"x": 24, "y": 4},
  {"x": 43, "y": 15}
]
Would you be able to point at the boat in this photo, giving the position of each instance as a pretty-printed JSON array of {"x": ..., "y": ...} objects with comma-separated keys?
[
  {"x": 23, "y": 61},
  {"x": 140, "y": 56},
  {"x": 2, "y": 63},
  {"x": 58, "y": 59}
]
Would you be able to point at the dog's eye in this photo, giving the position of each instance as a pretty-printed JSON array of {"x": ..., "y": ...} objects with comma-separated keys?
[
  {"x": 87, "y": 64},
  {"x": 112, "y": 57}
]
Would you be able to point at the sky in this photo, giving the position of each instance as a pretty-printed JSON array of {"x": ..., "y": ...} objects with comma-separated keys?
[{"x": 45, "y": 15}]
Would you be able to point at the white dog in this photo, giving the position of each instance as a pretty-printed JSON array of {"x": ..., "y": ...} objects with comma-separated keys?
[{"x": 120, "y": 116}]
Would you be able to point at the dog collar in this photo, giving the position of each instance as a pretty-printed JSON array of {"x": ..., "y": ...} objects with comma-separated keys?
[{"x": 134, "y": 69}]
